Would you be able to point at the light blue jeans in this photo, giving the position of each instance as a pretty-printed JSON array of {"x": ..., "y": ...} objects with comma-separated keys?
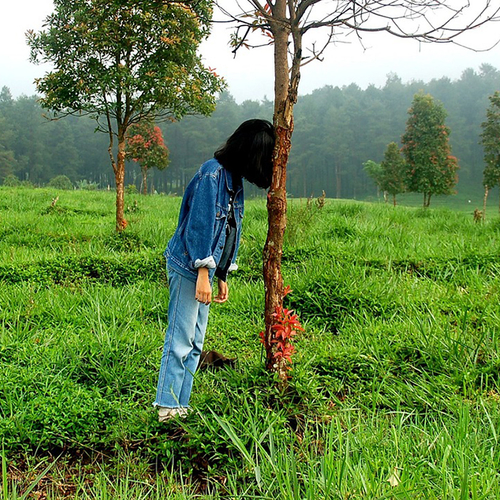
[{"x": 187, "y": 324}]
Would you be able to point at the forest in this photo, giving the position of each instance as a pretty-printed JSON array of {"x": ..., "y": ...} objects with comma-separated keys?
[{"x": 337, "y": 129}]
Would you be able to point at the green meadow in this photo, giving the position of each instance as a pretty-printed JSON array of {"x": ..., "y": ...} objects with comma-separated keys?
[{"x": 395, "y": 387}]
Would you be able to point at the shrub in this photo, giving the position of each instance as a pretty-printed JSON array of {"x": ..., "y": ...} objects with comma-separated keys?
[
  {"x": 86, "y": 185},
  {"x": 131, "y": 189},
  {"x": 11, "y": 181},
  {"x": 27, "y": 184},
  {"x": 61, "y": 182}
]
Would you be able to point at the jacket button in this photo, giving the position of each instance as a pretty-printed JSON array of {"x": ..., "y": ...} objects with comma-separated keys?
[{"x": 218, "y": 214}]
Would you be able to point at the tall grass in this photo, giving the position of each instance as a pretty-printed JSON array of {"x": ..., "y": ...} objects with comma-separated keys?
[{"x": 394, "y": 391}]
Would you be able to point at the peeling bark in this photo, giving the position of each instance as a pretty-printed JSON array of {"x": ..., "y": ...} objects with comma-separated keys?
[{"x": 286, "y": 89}]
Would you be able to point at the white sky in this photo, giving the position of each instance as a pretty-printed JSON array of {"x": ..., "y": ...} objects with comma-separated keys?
[{"x": 250, "y": 74}]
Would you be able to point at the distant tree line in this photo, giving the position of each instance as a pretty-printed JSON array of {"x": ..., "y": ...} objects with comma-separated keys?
[{"x": 336, "y": 131}]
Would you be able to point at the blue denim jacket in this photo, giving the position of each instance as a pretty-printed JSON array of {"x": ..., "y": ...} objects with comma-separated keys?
[{"x": 201, "y": 232}]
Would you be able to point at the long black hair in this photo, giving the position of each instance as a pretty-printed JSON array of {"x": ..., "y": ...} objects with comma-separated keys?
[{"x": 248, "y": 152}]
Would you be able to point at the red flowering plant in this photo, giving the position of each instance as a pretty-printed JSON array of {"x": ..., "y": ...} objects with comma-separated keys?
[{"x": 286, "y": 326}]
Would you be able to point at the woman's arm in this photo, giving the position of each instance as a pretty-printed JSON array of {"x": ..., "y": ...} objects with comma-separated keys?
[
  {"x": 203, "y": 287},
  {"x": 222, "y": 293}
]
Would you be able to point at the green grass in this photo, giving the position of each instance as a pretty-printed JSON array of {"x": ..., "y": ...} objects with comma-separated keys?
[{"x": 395, "y": 390}]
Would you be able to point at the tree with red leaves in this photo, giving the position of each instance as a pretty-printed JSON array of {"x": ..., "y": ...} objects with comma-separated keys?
[{"x": 146, "y": 147}]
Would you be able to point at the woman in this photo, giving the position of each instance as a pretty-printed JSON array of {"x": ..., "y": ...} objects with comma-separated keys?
[{"x": 205, "y": 245}]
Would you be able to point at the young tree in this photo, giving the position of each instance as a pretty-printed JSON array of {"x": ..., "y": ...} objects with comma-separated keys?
[
  {"x": 146, "y": 147},
  {"x": 123, "y": 61},
  {"x": 390, "y": 174},
  {"x": 374, "y": 170},
  {"x": 490, "y": 139},
  {"x": 393, "y": 172},
  {"x": 285, "y": 23},
  {"x": 430, "y": 168}
]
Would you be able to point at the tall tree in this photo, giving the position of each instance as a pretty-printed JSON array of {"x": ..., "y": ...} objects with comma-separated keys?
[
  {"x": 285, "y": 23},
  {"x": 490, "y": 139},
  {"x": 146, "y": 147},
  {"x": 393, "y": 172},
  {"x": 123, "y": 61},
  {"x": 430, "y": 168}
]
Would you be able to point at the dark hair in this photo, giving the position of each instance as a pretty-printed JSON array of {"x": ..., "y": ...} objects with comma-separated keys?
[{"x": 248, "y": 152}]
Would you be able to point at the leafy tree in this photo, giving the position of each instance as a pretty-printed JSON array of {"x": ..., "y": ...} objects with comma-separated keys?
[
  {"x": 430, "y": 168},
  {"x": 393, "y": 172},
  {"x": 284, "y": 23},
  {"x": 123, "y": 61},
  {"x": 146, "y": 147},
  {"x": 490, "y": 139},
  {"x": 374, "y": 170},
  {"x": 388, "y": 175}
]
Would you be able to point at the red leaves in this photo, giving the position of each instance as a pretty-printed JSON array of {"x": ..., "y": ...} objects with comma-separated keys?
[
  {"x": 145, "y": 145},
  {"x": 212, "y": 70},
  {"x": 286, "y": 326}
]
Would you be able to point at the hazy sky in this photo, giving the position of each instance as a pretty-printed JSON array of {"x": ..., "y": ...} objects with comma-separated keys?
[{"x": 250, "y": 74}]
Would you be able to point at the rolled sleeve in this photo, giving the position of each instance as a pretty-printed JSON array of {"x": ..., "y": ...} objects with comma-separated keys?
[{"x": 208, "y": 262}]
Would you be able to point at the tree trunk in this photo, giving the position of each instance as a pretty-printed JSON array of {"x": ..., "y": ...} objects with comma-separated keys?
[
  {"x": 119, "y": 170},
  {"x": 120, "y": 183},
  {"x": 144, "y": 180},
  {"x": 485, "y": 199},
  {"x": 285, "y": 89},
  {"x": 338, "y": 181},
  {"x": 427, "y": 199},
  {"x": 394, "y": 199}
]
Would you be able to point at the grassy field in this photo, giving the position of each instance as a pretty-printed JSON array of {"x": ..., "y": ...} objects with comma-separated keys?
[{"x": 395, "y": 391}]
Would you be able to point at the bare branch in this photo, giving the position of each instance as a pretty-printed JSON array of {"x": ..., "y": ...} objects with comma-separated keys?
[{"x": 428, "y": 21}]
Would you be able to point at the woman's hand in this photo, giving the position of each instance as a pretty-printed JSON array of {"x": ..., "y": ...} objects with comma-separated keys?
[
  {"x": 203, "y": 287},
  {"x": 222, "y": 293}
]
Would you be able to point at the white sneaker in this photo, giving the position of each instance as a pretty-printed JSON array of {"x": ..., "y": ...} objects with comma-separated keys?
[{"x": 165, "y": 413}]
